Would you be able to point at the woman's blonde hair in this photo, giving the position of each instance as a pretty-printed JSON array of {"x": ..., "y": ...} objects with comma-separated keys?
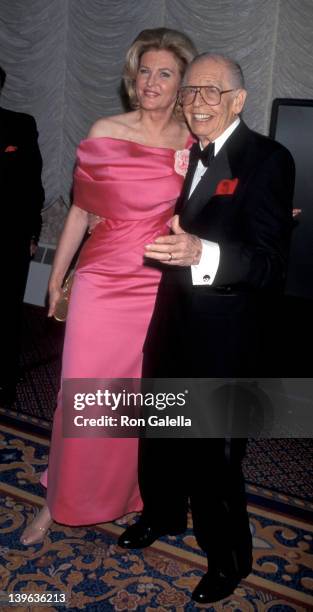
[{"x": 159, "y": 39}]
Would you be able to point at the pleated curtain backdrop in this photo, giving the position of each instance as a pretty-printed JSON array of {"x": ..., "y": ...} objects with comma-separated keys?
[{"x": 64, "y": 60}]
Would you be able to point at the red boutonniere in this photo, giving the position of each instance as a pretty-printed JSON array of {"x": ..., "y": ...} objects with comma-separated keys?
[
  {"x": 10, "y": 149},
  {"x": 226, "y": 187}
]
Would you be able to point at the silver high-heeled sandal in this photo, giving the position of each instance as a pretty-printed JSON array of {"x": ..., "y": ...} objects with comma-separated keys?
[{"x": 33, "y": 533}]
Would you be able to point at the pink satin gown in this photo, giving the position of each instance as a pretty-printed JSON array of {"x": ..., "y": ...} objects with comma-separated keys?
[{"x": 134, "y": 188}]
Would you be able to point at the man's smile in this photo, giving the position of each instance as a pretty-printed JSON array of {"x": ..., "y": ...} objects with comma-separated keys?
[{"x": 202, "y": 117}]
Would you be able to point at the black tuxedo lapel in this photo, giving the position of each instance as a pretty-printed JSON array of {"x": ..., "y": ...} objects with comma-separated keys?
[{"x": 218, "y": 170}]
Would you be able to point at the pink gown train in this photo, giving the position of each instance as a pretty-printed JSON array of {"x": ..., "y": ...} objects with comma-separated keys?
[{"x": 134, "y": 188}]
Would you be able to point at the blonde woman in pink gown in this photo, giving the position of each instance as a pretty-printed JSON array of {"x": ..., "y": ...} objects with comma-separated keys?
[{"x": 127, "y": 173}]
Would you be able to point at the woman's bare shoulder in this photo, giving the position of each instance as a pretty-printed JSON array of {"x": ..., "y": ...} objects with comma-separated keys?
[{"x": 113, "y": 127}]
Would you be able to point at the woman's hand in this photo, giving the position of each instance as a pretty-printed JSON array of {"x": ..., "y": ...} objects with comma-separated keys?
[
  {"x": 73, "y": 232},
  {"x": 55, "y": 292},
  {"x": 93, "y": 220}
]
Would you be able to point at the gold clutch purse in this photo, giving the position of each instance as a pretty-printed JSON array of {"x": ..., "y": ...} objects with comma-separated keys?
[{"x": 61, "y": 308}]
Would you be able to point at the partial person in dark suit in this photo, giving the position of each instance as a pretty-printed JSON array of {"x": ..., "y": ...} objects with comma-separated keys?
[
  {"x": 226, "y": 263},
  {"x": 22, "y": 197}
]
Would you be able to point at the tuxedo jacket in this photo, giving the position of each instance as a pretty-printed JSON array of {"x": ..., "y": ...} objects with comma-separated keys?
[
  {"x": 244, "y": 203},
  {"x": 22, "y": 195}
]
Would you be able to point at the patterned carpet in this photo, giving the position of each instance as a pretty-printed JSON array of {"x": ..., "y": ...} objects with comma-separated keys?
[
  {"x": 97, "y": 575},
  {"x": 88, "y": 565}
]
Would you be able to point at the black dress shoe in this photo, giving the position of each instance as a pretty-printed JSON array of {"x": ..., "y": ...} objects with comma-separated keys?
[
  {"x": 141, "y": 535},
  {"x": 215, "y": 586}
]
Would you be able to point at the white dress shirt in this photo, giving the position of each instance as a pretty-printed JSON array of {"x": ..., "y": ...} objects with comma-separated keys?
[{"x": 205, "y": 271}]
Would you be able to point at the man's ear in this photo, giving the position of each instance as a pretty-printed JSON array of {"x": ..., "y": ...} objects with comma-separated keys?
[{"x": 239, "y": 101}]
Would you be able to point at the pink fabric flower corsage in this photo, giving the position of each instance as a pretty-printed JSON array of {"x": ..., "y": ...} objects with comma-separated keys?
[{"x": 181, "y": 161}]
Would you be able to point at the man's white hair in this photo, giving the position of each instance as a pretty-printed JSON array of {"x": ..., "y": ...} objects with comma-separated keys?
[{"x": 236, "y": 77}]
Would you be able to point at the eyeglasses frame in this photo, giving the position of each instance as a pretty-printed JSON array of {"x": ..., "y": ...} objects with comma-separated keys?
[{"x": 198, "y": 90}]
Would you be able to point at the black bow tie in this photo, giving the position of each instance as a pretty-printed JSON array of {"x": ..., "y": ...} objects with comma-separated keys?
[{"x": 206, "y": 155}]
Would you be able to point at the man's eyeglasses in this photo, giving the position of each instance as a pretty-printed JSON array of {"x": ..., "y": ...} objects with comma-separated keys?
[{"x": 210, "y": 95}]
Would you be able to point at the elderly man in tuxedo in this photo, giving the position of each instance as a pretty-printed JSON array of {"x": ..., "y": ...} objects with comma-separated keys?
[
  {"x": 225, "y": 261},
  {"x": 22, "y": 197}
]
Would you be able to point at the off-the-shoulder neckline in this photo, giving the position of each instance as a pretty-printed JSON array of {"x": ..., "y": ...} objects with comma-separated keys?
[{"x": 139, "y": 144}]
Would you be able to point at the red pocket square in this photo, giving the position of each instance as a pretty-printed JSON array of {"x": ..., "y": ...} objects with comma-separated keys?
[
  {"x": 10, "y": 149},
  {"x": 226, "y": 187}
]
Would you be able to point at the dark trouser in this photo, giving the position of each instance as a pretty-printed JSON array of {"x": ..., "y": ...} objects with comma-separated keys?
[
  {"x": 14, "y": 280},
  {"x": 188, "y": 337},
  {"x": 208, "y": 473}
]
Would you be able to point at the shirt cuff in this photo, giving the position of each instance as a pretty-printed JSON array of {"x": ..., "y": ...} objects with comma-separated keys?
[{"x": 205, "y": 271}]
